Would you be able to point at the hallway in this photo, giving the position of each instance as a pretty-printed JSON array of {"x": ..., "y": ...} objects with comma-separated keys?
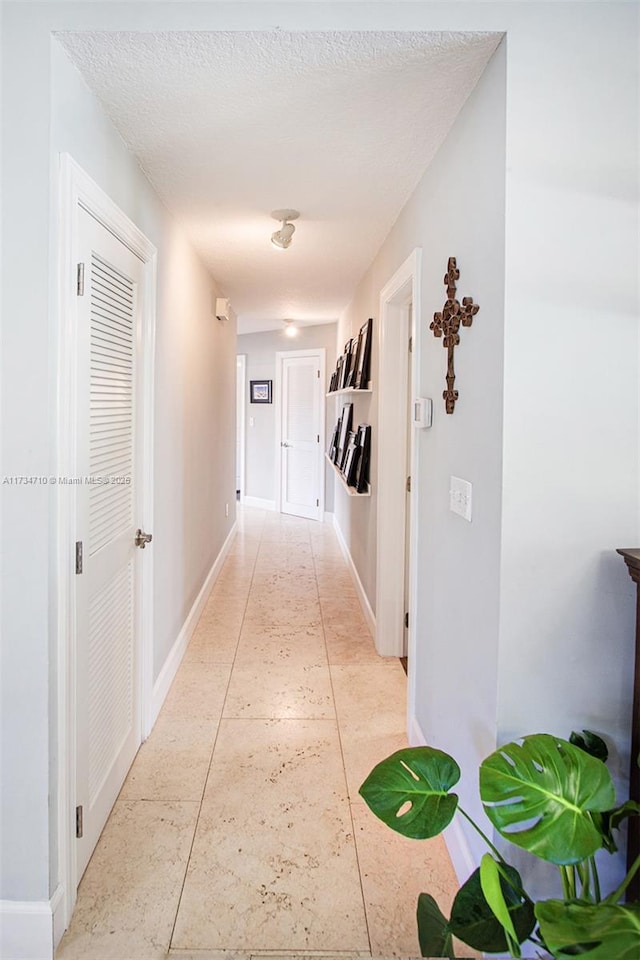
[{"x": 239, "y": 830}]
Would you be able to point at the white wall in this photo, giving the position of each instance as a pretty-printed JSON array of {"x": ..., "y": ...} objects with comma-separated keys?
[
  {"x": 571, "y": 480},
  {"x": 260, "y": 350},
  {"x": 549, "y": 642},
  {"x": 458, "y": 562},
  {"x": 195, "y": 364},
  {"x": 570, "y": 404},
  {"x": 194, "y": 431}
]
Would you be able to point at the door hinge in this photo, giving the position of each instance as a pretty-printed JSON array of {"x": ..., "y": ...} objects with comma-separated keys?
[
  {"x": 80, "y": 280},
  {"x": 317, "y": 438},
  {"x": 318, "y": 373},
  {"x": 317, "y": 503},
  {"x": 410, "y": 344},
  {"x": 408, "y": 484},
  {"x": 79, "y": 826},
  {"x": 78, "y": 556},
  {"x": 406, "y": 620}
]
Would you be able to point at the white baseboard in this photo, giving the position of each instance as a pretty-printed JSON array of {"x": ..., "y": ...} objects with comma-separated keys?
[
  {"x": 362, "y": 596},
  {"x": 414, "y": 733},
  {"x": 28, "y": 929},
  {"x": 59, "y": 919},
  {"x": 328, "y": 516},
  {"x": 459, "y": 850},
  {"x": 259, "y": 502},
  {"x": 454, "y": 837},
  {"x": 173, "y": 661}
]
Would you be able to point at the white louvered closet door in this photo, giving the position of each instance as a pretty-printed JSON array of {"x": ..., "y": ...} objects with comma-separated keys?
[
  {"x": 300, "y": 450},
  {"x": 106, "y": 662}
]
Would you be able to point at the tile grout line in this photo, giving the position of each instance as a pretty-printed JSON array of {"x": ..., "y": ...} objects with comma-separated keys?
[
  {"x": 247, "y": 955},
  {"x": 215, "y": 741},
  {"x": 344, "y": 768}
]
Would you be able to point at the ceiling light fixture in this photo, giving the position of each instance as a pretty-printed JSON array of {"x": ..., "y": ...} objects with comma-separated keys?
[
  {"x": 282, "y": 237},
  {"x": 289, "y": 329}
]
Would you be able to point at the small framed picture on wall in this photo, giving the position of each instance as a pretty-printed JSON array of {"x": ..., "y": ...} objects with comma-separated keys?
[
  {"x": 260, "y": 391},
  {"x": 345, "y": 427},
  {"x": 363, "y": 361}
]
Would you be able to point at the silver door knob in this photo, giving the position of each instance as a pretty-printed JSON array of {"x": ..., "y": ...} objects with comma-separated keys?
[
  {"x": 142, "y": 538},
  {"x": 285, "y": 443}
]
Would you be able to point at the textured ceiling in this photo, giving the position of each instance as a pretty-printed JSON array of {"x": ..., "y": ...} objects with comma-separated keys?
[{"x": 230, "y": 126}]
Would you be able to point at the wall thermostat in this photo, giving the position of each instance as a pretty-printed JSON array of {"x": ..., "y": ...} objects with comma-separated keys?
[
  {"x": 422, "y": 412},
  {"x": 223, "y": 311}
]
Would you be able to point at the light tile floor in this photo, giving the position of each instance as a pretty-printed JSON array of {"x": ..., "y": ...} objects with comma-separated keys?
[{"x": 239, "y": 831}]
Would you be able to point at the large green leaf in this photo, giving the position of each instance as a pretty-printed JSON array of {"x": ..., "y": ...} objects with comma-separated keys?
[
  {"x": 540, "y": 795},
  {"x": 474, "y": 922},
  {"x": 490, "y": 881},
  {"x": 611, "y": 820},
  {"x": 597, "y": 931},
  {"x": 591, "y": 743},
  {"x": 433, "y": 931},
  {"x": 409, "y": 791}
]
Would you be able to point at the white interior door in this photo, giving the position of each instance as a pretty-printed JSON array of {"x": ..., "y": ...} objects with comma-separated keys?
[
  {"x": 241, "y": 376},
  {"x": 107, "y": 694},
  {"x": 301, "y": 442},
  {"x": 407, "y": 516}
]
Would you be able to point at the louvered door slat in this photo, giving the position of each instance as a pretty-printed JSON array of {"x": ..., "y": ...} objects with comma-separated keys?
[
  {"x": 110, "y": 675},
  {"x": 110, "y": 305},
  {"x": 111, "y": 399},
  {"x": 108, "y": 288},
  {"x": 105, "y": 270}
]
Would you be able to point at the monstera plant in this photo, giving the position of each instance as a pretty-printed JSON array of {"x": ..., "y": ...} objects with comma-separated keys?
[{"x": 552, "y": 797}]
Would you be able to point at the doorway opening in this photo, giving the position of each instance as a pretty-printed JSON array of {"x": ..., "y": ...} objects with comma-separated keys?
[
  {"x": 397, "y": 481},
  {"x": 300, "y": 424},
  {"x": 241, "y": 383}
]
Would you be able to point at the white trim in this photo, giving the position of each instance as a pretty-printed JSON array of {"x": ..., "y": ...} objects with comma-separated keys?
[
  {"x": 259, "y": 503},
  {"x": 415, "y": 735},
  {"x": 459, "y": 851},
  {"x": 241, "y": 415},
  {"x": 401, "y": 290},
  {"x": 369, "y": 615},
  {"x": 31, "y": 930},
  {"x": 146, "y": 512},
  {"x": 320, "y": 354},
  {"x": 57, "y": 903},
  {"x": 454, "y": 837},
  {"x": 173, "y": 661},
  {"x": 77, "y": 190},
  {"x": 328, "y": 516}
]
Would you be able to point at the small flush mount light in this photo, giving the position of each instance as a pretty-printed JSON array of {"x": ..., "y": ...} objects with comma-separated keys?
[
  {"x": 282, "y": 237},
  {"x": 289, "y": 329}
]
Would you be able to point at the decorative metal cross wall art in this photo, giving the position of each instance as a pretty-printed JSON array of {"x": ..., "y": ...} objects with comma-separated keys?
[{"x": 448, "y": 323}]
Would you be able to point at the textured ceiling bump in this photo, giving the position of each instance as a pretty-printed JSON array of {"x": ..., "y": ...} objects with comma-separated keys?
[{"x": 230, "y": 126}]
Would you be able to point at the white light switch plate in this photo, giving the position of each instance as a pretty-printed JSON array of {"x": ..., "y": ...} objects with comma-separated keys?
[{"x": 460, "y": 493}]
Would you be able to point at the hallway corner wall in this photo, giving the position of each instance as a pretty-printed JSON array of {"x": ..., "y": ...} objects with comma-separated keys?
[
  {"x": 194, "y": 425},
  {"x": 553, "y": 646},
  {"x": 571, "y": 481},
  {"x": 457, "y": 606}
]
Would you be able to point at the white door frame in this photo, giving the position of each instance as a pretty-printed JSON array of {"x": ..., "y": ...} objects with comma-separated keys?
[
  {"x": 241, "y": 373},
  {"x": 77, "y": 190},
  {"x": 402, "y": 289},
  {"x": 320, "y": 354}
]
